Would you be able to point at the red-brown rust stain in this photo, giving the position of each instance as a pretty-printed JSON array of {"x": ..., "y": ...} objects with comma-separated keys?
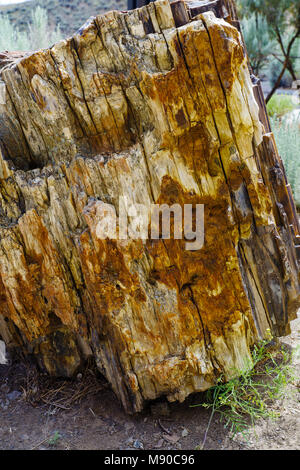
[
  {"x": 179, "y": 85},
  {"x": 85, "y": 38},
  {"x": 4, "y": 307},
  {"x": 100, "y": 144},
  {"x": 169, "y": 375},
  {"x": 202, "y": 271},
  {"x": 181, "y": 119},
  {"x": 199, "y": 58},
  {"x": 260, "y": 200},
  {"x": 121, "y": 164},
  {"x": 166, "y": 88},
  {"x": 111, "y": 287},
  {"x": 111, "y": 140},
  {"x": 78, "y": 175},
  {"x": 31, "y": 315},
  {"x": 235, "y": 175},
  {"x": 35, "y": 64},
  {"x": 106, "y": 81},
  {"x": 226, "y": 38},
  {"x": 192, "y": 88},
  {"x": 198, "y": 151},
  {"x": 39, "y": 99},
  {"x": 198, "y": 273},
  {"x": 117, "y": 135},
  {"x": 43, "y": 289},
  {"x": 107, "y": 278}
]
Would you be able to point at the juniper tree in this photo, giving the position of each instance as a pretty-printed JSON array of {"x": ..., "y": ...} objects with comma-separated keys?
[{"x": 283, "y": 21}]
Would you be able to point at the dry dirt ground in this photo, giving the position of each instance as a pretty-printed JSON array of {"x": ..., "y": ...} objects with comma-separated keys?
[{"x": 86, "y": 415}]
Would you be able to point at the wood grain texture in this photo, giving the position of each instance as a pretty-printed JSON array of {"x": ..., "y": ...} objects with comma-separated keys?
[{"x": 155, "y": 105}]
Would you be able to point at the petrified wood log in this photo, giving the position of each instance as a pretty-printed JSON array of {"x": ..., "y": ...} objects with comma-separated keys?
[{"x": 155, "y": 105}]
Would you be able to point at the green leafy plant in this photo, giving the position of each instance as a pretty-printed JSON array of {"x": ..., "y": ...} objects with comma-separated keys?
[
  {"x": 54, "y": 439},
  {"x": 258, "y": 42},
  {"x": 280, "y": 105},
  {"x": 243, "y": 400},
  {"x": 287, "y": 136}
]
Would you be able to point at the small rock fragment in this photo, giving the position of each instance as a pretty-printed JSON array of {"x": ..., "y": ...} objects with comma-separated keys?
[
  {"x": 173, "y": 438},
  {"x": 138, "y": 444},
  {"x": 14, "y": 395},
  {"x": 159, "y": 444}
]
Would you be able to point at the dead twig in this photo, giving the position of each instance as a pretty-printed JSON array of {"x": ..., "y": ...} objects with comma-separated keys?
[
  {"x": 164, "y": 429},
  {"x": 40, "y": 443}
]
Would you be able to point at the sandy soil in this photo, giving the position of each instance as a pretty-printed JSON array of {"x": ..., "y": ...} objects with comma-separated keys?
[{"x": 98, "y": 422}]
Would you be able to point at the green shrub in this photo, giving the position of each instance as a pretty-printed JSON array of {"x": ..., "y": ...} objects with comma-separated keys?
[
  {"x": 280, "y": 105},
  {"x": 287, "y": 136},
  {"x": 11, "y": 39},
  {"x": 37, "y": 34},
  {"x": 40, "y": 33},
  {"x": 248, "y": 397},
  {"x": 258, "y": 42}
]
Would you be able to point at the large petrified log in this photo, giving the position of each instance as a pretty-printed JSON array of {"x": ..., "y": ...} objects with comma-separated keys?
[{"x": 155, "y": 105}]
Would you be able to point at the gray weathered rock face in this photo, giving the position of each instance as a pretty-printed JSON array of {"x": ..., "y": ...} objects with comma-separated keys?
[{"x": 155, "y": 106}]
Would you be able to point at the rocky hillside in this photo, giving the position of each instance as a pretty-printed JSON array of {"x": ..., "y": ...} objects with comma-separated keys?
[{"x": 70, "y": 14}]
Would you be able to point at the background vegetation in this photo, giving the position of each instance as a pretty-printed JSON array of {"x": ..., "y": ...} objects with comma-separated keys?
[
  {"x": 272, "y": 34},
  {"x": 287, "y": 136},
  {"x": 279, "y": 105},
  {"x": 37, "y": 35},
  {"x": 68, "y": 14}
]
